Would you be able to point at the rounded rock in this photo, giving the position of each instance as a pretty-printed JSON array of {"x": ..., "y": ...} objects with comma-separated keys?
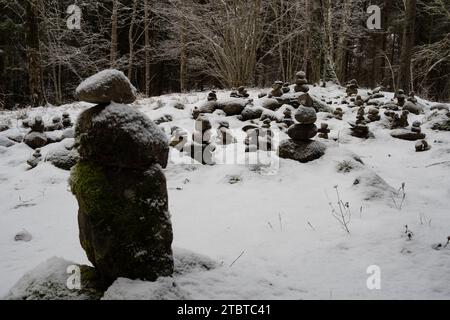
[{"x": 306, "y": 115}]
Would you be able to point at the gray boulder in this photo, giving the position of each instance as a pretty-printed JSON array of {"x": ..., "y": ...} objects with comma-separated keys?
[
  {"x": 408, "y": 135},
  {"x": 35, "y": 140},
  {"x": 301, "y": 151},
  {"x": 413, "y": 107},
  {"x": 120, "y": 136},
  {"x": 49, "y": 280},
  {"x": 63, "y": 158}
]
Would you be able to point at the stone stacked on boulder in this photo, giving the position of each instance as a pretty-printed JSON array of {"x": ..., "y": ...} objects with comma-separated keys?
[
  {"x": 36, "y": 138},
  {"x": 277, "y": 89},
  {"x": 374, "y": 115},
  {"x": 123, "y": 215},
  {"x": 35, "y": 158},
  {"x": 300, "y": 147},
  {"x": 301, "y": 83},
  {"x": 306, "y": 100},
  {"x": 324, "y": 131},
  {"x": 66, "y": 121},
  {"x": 338, "y": 113},
  {"x": 352, "y": 88},
  {"x": 401, "y": 97}
]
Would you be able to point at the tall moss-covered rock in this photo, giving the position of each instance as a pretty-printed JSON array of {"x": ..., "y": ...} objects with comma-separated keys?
[
  {"x": 124, "y": 221},
  {"x": 120, "y": 136}
]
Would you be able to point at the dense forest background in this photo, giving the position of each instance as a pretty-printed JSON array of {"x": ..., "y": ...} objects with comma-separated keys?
[{"x": 178, "y": 45}]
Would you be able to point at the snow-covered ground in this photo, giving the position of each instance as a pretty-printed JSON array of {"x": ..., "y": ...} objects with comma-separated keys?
[{"x": 271, "y": 232}]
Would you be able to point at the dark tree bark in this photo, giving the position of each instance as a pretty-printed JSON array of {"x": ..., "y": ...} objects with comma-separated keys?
[
  {"x": 35, "y": 79},
  {"x": 405, "y": 76}
]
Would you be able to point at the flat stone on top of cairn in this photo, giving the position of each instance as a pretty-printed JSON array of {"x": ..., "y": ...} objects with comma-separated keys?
[{"x": 105, "y": 87}]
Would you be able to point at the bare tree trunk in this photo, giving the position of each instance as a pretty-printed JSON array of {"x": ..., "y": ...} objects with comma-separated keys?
[
  {"x": 35, "y": 78},
  {"x": 405, "y": 76},
  {"x": 131, "y": 40},
  {"x": 341, "y": 58},
  {"x": 147, "y": 46},
  {"x": 316, "y": 40},
  {"x": 114, "y": 18},
  {"x": 183, "y": 57}
]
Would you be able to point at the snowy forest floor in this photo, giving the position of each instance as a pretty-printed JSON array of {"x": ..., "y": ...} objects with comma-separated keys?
[{"x": 278, "y": 224}]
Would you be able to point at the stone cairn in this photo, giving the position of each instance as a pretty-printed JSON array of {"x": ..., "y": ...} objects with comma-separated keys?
[
  {"x": 35, "y": 158},
  {"x": 360, "y": 116},
  {"x": 66, "y": 121},
  {"x": 338, "y": 113},
  {"x": 123, "y": 215},
  {"x": 399, "y": 121},
  {"x": 36, "y": 138},
  {"x": 401, "y": 97},
  {"x": 301, "y": 83},
  {"x": 286, "y": 88},
  {"x": 212, "y": 96},
  {"x": 241, "y": 92},
  {"x": 202, "y": 148},
  {"x": 300, "y": 147},
  {"x": 324, "y": 131},
  {"x": 288, "y": 120},
  {"x": 360, "y": 128},
  {"x": 277, "y": 89},
  {"x": 374, "y": 115},
  {"x": 56, "y": 125},
  {"x": 359, "y": 102},
  {"x": 224, "y": 133},
  {"x": 412, "y": 97},
  {"x": 352, "y": 88}
]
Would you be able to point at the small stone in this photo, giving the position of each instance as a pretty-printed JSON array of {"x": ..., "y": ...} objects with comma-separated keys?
[
  {"x": 24, "y": 236},
  {"x": 422, "y": 146}
]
